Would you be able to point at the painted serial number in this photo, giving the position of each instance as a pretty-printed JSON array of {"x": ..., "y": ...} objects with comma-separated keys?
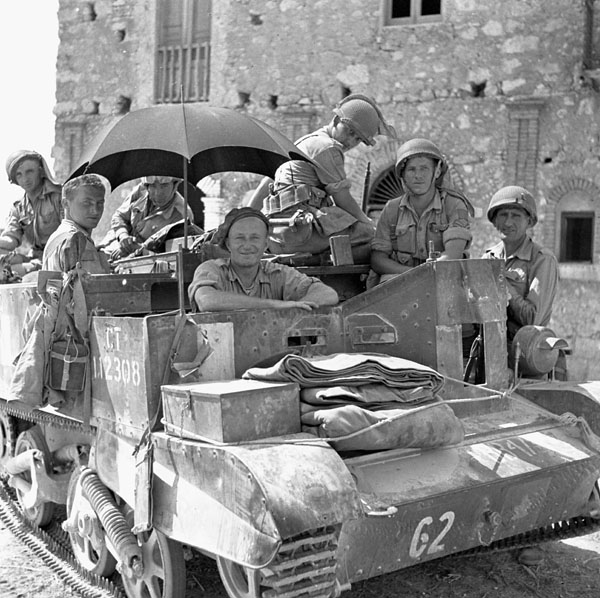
[
  {"x": 116, "y": 369},
  {"x": 423, "y": 539}
]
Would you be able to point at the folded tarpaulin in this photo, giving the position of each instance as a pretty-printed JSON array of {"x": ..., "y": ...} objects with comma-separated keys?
[
  {"x": 353, "y": 369},
  {"x": 369, "y": 395}
]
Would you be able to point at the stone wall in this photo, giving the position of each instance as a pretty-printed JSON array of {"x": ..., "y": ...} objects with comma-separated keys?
[{"x": 498, "y": 85}]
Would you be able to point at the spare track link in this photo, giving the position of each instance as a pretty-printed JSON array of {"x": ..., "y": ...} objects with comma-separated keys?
[
  {"x": 304, "y": 567},
  {"x": 38, "y": 416},
  {"x": 562, "y": 530},
  {"x": 53, "y": 547}
]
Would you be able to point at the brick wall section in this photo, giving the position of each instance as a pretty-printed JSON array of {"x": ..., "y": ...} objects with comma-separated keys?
[{"x": 538, "y": 122}]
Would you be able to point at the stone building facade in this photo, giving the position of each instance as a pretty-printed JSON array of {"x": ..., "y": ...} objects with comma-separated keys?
[{"x": 509, "y": 90}]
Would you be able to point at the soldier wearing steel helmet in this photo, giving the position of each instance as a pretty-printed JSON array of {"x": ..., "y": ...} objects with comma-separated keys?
[
  {"x": 322, "y": 189},
  {"x": 426, "y": 217},
  {"x": 531, "y": 270},
  {"x": 152, "y": 205}
]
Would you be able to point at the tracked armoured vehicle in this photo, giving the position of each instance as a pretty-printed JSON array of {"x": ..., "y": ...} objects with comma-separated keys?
[{"x": 223, "y": 466}]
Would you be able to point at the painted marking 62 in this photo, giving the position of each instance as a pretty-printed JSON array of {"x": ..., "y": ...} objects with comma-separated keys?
[{"x": 422, "y": 540}]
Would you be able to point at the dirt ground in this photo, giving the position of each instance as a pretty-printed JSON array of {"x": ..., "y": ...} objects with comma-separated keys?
[{"x": 569, "y": 570}]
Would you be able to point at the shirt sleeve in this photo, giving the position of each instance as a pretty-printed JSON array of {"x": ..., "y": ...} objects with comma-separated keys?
[
  {"x": 333, "y": 173},
  {"x": 207, "y": 274},
  {"x": 382, "y": 240},
  {"x": 295, "y": 284},
  {"x": 14, "y": 227},
  {"x": 458, "y": 221},
  {"x": 121, "y": 219},
  {"x": 536, "y": 308}
]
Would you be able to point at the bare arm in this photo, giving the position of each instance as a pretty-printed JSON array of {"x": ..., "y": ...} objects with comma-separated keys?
[
  {"x": 209, "y": 299},
  {"x": 7, "y": 243},
  {"x": 259, "y": 194},
  {"x": 344, "y": 200},
  {"x": 383, "y": 264},
  {"x": 321, "y": 294},
  {"x": 454, "y": 250}
]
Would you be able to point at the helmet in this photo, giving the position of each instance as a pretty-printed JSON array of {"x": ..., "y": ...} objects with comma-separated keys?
[
  {"x": 149, "y": 180},
  {"x": 512, "y": 196},
  {"x": 13, "y": 161},
  {"x": 419, "y": 147},
  {"x": 361, "y": 115}
]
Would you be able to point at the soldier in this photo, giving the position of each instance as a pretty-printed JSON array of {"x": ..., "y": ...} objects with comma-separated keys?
[
  {"x": 83, "y": 200},
  {"x": 36, "y": 215},
  {"x": 531, "y": 270},
  {"x": 321, "y": 190},
  {"x": 152, "y": 205},
  {"x": 243, "y": 281},
  {"x": 426, "y": 217}
]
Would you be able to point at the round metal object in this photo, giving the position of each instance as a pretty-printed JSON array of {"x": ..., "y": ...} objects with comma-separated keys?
[
  {"x": 239, "y": 581},
  {"x": 163, "y": 574},
  {"x": 33, "y": 438},
  {"x": 7, "y": 438},
  {"x": 89, "y": 541}
]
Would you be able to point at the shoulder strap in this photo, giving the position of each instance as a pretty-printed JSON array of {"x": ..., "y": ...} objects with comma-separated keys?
[{"x": 444, "y": 191}]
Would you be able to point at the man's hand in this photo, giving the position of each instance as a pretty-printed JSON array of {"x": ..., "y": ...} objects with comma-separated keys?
[{"x": 127, "y": 243}]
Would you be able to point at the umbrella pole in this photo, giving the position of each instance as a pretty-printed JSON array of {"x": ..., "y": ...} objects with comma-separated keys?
[{"x": 185, "y": 203}]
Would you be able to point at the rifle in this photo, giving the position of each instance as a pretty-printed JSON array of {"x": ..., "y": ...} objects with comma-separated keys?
[{"x": 366, "y": 184}]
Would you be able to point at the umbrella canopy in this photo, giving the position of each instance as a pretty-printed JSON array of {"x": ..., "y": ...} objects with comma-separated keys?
[{"x": 156, "y": 140}]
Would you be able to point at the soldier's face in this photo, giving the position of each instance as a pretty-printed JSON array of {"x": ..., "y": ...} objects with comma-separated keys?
[
  {"x": 28, "y": 176},
  {"x": 160, "y": 193},
  {"x": 247, "y": 241},
  {"x": 85, "y": 207},
  {"x": 419, "y": 174},
  {"x": 512, "y": 223}
]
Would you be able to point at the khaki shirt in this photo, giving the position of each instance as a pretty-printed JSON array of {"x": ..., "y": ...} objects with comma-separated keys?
[
  {"x": 60, "y": 256},
  {"x": 330, "y": 174},
  {"x": 30, "y": 223},
  {"x": 404, "y": 236},
  {"x": 273, "y": 281},
  {"x": 139, "y": 217},
  {"x": 532, "y": 271}
]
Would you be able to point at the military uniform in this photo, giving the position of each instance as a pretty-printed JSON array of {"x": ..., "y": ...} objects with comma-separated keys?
[
  {"x": 30, "y": 223},
  {"x": 138, "y": 217},
  {"x": 532, "y": 271},
  {"x": 405, "y": 237},
  {"x": 273, "y": 281},
  {"x": 69, "y": 245}
]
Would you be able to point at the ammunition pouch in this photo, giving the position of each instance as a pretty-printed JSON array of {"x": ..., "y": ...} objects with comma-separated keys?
[{"x": 283, "y": 198}]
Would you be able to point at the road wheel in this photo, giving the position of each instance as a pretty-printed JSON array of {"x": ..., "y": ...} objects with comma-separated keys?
[
  {"x": 86, "y": 525},
  {"x": 164, "y": 569},
  {"x": 33, "y": 438}
]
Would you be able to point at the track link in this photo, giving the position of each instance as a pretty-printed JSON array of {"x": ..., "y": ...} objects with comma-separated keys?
[
  {"x": 305, "y": 567},
  {"x": 53, "y": 547}
]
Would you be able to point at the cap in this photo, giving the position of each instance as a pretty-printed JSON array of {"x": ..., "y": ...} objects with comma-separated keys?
[{"x": 232, "y": 217}]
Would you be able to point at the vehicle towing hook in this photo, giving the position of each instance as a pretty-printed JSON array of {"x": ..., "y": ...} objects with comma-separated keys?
[{"x": 491, "y": 523}]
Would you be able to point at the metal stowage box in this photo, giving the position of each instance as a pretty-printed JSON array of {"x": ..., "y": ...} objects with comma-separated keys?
[{"x": 231, "y": 411}]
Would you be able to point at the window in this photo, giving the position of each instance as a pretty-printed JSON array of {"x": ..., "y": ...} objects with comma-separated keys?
[
  {"x": 410, "y": 12},
  {"x": 576, "y": 238},
  {"x": 183, "y": 50}
]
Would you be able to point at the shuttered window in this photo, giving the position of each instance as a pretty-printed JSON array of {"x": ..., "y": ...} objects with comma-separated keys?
[{"x": 183, "y": 51}]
